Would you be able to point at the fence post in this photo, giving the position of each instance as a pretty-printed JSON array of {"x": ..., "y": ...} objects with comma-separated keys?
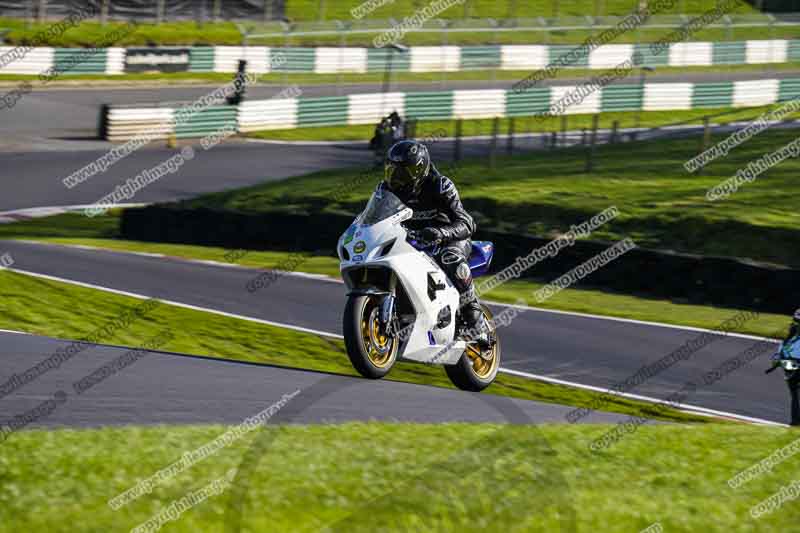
[
  {"x": 342, "y": 45},
  {"x": 510, "y": 140},
  {"x": 104, "y": 12},
  {"x": 42, "y": 11},
  {"x": 493, "y": 24},
  {"x": 583, "y": 136},
  {"x": 457, "y": 143},
  {"x": 285, "y": 66},
  {"x": 706, "y": 139},
  {"x": 444, "y": 25},
  {"x": 592, "y": 143},
  {"x": 563, "y": 130},
  {"x": 493, "y": 146},
  {"x": 160, "y": 11},
  {"x": 217, "y": 10},
  {"x": 553, "y": 139},
  {"x": 614, "y": 131}
]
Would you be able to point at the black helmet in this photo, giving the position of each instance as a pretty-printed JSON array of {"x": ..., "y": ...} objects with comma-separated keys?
[{"x": 407, "y": 164}]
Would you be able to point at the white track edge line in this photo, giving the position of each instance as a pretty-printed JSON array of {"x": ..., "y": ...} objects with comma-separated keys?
[
  {"x": 634, "y": 321},
  {"x": 687, "y": 407},
  {"x": 323, "y": 277},
  {"x": 177, "y": 304},
  {"x": 337, "y": 336},
  {"x": 15, "y": 332}
]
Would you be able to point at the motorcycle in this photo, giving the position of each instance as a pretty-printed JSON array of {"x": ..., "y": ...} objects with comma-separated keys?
[
  {"x": 402, "y": 305},
  {"x": 388, "y": 131},
  {"x": 788, "y": 358}
]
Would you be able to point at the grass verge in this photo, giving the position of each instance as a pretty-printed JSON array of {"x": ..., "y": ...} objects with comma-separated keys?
[
  {"x": 541, "y": 193},
  {"x": 62, "y": 310},
  {"x": 402, "y": 477},
  {"x": 574, "y": 299},
  {"x": 305, "y": 13}
]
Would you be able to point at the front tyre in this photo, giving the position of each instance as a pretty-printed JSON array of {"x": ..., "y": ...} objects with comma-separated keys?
[
  {"x": 474, "y": 372},
  {"x": 371, "y": 352}
]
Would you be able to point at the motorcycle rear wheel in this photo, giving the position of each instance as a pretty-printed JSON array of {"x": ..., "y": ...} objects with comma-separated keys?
[
  {"x": 370, "y": 352},
  {"x": 474, "y": 372}
]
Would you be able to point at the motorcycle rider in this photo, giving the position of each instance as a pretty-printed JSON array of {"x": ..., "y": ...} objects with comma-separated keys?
[
  {"x": 793, "y": 378},
  {"x": 439, "y": 219}
]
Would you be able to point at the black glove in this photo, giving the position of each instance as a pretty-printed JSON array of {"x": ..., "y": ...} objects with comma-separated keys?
[{"x": 427, "y": 236}]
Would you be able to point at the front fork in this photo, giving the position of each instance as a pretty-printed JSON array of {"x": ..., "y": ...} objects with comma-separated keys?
[{"x": 387, "y": 313}]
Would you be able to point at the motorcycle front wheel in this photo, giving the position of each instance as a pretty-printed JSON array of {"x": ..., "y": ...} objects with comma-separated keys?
[
  {"x": 475, "y": 371},
  {"x": 371, "y": 352}
]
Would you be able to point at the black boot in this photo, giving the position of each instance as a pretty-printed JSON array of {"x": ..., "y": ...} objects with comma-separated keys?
[
  {"x": 474, "y": 327},
  {"x": 793, "y": 381}
]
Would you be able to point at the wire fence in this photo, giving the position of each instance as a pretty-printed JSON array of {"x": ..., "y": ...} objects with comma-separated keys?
[
  {"x": 159, "y": 11},
  {"x": 540, "y": 30}
]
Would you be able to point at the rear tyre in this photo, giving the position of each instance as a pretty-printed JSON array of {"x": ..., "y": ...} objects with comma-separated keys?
[
  {"x": 372, "y": 354},
  {"x": 474, "y": 372}
]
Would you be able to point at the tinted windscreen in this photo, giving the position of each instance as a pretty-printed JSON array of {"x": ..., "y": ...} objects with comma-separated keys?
[{"x": 381, "y": 206}]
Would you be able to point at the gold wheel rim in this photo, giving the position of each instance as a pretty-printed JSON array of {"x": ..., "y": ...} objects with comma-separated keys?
[
  {"x": 484, "y": 366},
  {"x": 377, "y": 346}
]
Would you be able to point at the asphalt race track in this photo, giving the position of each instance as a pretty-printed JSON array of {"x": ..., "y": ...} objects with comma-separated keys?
[
  {"x": 66, "y": 118},
  {"x": 165, "y": 388},
  {"x": 50, "y": 135},
  {"x": 585, "y": 350}
]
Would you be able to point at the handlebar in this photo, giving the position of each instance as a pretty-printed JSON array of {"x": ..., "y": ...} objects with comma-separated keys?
[{"x": 422, "y": 247}]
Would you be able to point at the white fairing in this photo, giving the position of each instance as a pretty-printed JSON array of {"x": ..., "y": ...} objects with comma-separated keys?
[{"x": 411, "y": 267}]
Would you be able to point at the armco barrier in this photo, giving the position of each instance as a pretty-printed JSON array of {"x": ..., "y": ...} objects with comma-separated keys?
[
  {"x": 695, "y": 279},
  {"x": 254, "y": 115},
  {"x": 327, "y": 60}
]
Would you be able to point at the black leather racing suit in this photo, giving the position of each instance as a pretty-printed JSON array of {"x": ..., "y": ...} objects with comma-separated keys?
[
  {"x": 437, "y": 205},
  {"x": 793, "y": 379}
]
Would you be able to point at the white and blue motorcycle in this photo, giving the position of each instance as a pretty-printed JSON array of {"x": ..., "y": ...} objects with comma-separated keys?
[
  {"x": 401, "y": 304},
  {"x": 788, "y": 358}
]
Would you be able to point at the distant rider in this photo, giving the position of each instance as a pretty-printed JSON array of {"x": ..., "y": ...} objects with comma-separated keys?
[
  {"x": 793, "y": 378},
  {"x": 439, "y": 219}
]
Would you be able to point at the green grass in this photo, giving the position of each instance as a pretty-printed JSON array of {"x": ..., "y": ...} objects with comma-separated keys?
[
  {"x": 541, "y": 193},
  {"x": 87, "y": 34},
  {"x": 402, "y": 477},
  {"x": 529, "y": 37},
  {"x": 581, "y": 300},
  {"x": 101, "y": 232},
  {"x": 522, "y": 125},
  {"x": 307, "y": 12},
  {"x": 340, "y": 9},
  {"x": 62, "y": 310}
]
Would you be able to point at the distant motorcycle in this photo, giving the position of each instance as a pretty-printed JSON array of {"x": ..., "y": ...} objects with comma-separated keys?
[
  {"x": 788, "y": 358},
  {"x": 388, "y": 131},
  {"x": 401, "y": 304}
]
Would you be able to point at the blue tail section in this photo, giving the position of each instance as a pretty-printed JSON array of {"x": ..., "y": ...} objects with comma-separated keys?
[{"x": 481, "y": 258}]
